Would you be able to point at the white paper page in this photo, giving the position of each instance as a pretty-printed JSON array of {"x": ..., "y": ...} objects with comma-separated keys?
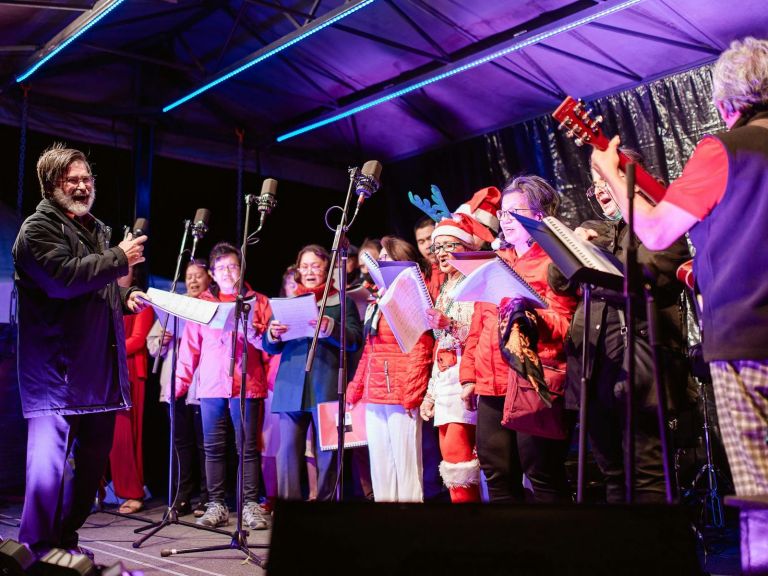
[
  {"x": 296, "y": 313},
  {"x": 404, "y": 305},
  {"x": 373, "y": 269},
  {"x": 492, "y": 282},
  {"x": 468, "y": 265},
  {"x": 224, "y": 319},
  {"x": 589, "y": 254},
  {"x": 192, "y": 309}
]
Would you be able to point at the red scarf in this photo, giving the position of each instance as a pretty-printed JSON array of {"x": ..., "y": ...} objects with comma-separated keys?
[{"x": 317, "y": 291}]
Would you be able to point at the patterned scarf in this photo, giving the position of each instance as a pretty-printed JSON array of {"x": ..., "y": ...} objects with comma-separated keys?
[{"x": 518, "y": 339}]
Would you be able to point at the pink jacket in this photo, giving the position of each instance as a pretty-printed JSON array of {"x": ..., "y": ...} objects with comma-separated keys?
[{"x": 209, "y": 349}]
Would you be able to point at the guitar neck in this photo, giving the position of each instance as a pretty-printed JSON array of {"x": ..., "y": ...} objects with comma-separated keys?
[{"x": 650, "y": 187}]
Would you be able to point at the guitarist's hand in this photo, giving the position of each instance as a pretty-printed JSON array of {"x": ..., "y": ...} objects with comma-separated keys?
[{"x": 606, "y": 162}]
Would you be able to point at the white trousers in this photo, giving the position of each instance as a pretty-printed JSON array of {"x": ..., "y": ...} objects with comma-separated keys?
[{"x": 394, "y": 444}]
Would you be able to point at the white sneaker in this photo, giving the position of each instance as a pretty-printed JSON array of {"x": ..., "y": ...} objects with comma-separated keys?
[
  {"x": 254, "y": 517},
  {"x": 216, "y": 514}
]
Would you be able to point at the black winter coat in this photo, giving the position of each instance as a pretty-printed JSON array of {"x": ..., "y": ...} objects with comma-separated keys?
[
  {"x": 607, "y": 339},
  {"x": 71, "y": 342}
]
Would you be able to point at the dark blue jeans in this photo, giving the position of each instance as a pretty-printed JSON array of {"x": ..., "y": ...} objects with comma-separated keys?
[{"x": 215, "y": 412}]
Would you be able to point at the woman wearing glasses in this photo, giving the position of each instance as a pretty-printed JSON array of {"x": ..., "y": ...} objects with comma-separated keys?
[
  {"x": 607, "y": 375},
  {"x": 450, "y": 321},
  {"x": 486, "y": 373},
  {"x": 208, "y": 350},
  {"x": 297, "y": 394}
]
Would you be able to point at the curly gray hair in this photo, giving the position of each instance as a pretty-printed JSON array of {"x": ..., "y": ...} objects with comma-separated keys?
[{"x": 740, "y": 75}]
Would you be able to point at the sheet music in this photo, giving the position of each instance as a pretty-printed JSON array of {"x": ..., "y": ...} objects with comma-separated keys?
[
  {"x": 468, "y": 262},
  {"x": 296, "y": 313},
  {"x": 361, "y": 296},
  {"x": 192, "y": 309},
  {"x": 494, "y": 281},
  {"x": 404, "y": 305},
  {"x": 586, "y": 252},
  {"x": 224, "y": 319},
  {"x": 384, "y": 272}
]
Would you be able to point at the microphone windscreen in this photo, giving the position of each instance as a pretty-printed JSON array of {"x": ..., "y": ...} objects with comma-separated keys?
[
  {"x": 269, "y": 187},
  {"x": 141, "y": 226},
  {"x": 372, "y": 169},
  {"x": 202, "y": 215}
]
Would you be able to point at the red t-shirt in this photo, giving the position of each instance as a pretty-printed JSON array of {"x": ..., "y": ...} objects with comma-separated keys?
[{"x": 704, "y": 179}]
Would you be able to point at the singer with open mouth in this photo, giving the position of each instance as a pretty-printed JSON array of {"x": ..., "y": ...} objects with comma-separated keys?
[
  {"x": 298, "y": 393},
  {"x": 72, "y": 364}
]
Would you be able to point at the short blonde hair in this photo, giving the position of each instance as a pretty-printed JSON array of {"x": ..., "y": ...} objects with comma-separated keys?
[{"x": 740, "y": 75}]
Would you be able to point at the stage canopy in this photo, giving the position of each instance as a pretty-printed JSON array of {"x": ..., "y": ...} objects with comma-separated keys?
[{"x": 142, "y": 56}]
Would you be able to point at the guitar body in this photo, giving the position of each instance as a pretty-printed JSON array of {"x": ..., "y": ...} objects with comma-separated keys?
[{"x": 580, "y": 125}]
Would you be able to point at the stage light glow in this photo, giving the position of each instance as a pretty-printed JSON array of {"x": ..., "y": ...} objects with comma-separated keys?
[
  {"x": 268, "y": 54},
  {"x": 503, "y": 52},
  {"x": 108, "y": 7}
]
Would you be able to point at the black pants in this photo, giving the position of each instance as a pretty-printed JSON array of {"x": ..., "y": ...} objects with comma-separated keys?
[
  {"x": 434, "y": 489},
  {"x": 506, "y": 454},
  {"x": 190, "y": 450},
  {"x": 66, "y": 458}
]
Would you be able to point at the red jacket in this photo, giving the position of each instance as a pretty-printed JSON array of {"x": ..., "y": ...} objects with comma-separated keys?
[
  {"x": 482, "y": 362},
  {"x": 137, "y": 327},
  {"x": 385, "y": 375},
  {"x": 209, "y": 350}
]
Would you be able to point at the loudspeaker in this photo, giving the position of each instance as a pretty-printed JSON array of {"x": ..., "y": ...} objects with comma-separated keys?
[
  {"x": 483, "y": 539},
  {"x": 15, "y": 558}
]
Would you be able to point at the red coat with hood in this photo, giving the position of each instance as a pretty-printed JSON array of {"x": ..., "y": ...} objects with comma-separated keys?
[
  {"x": 482, "y": 362},
  {"x": 209, "y": 349},
  {"x": 386, "y": 375}
]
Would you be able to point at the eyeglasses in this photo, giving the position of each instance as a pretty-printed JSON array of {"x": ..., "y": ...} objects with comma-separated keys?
[
  {"x": 75, "y": 180},
  {"x": 304, "y": 268},
  {"x": 446, "y": 246},
  {"x": 507, "y": 214},
  {"x": 598, "y": 186},
  {"x": 229, "y": 267}
]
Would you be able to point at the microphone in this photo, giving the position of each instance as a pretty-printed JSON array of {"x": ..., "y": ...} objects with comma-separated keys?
[
  {"x": 199, "y": 227},
  {"x": 368, "y": 182},
  {"x": 267, "y": 202},
  {"x": 140, "y": 227}
]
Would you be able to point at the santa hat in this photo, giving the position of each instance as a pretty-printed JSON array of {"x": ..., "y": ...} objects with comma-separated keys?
[
  {"x": 483, "y": 206},
  {"x": 463, "y": 228}
]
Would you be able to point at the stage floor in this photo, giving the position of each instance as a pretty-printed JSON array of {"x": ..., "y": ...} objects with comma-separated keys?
[{"x": 110, "y": 538}]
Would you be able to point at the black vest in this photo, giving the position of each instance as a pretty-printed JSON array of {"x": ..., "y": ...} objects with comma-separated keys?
[{"x": 731, "y": 263}]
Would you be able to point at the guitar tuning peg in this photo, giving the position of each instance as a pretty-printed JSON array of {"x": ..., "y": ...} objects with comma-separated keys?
[
  {"x": 579, "y": 142},
  {"x": 598, "y": 119}
]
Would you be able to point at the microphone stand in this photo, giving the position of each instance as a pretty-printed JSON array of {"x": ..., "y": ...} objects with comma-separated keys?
[
  {"x": 239, "y": 538},
  {"x": 629, "y": 295},
  {"x": 586, "y": 289},
  {"x": 171, "y": 515},
  {"x": 339, "y": 252}
]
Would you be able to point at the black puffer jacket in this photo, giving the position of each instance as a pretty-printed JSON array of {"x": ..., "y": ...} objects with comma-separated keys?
[{"x": 71, "y": 347}]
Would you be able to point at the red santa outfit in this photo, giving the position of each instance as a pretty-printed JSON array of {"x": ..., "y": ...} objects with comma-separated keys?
[{"x": 460, "y": 468}]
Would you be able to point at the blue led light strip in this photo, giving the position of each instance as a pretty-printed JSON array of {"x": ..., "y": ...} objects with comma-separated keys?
[
  {"x": 80, "y": 31},
  {"x": 267, "y": 54},
  {"x": 410, "y": 88}
]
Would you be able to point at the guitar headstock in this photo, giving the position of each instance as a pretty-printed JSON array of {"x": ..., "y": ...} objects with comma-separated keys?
[{"x": 574, "y": 117}]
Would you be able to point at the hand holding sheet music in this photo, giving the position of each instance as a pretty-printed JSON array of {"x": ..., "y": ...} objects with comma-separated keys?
[
  {"x": 494, "y": 281},
  {"x": 297, "y": 314}
]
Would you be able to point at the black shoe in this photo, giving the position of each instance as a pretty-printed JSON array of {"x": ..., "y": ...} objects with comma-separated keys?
[{"x": 183, "y": 508}]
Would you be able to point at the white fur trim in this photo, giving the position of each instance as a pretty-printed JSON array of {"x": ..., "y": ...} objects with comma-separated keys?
[
  {"x": 446, "y": 229},
  {"x": 487, "y": 219},
  {"x": 460, "y": 474}
]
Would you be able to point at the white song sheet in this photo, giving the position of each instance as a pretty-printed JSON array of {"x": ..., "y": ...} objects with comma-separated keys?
[
  {"x": 404, "y": 305},
  {"x": 494, "y": 281},
  {"x": 296, "y": 313},
  {"x": 192, "y": 309}
]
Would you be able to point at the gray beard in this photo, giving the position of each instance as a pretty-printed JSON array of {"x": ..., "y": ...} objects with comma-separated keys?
[{"x": 69, "y": 204}]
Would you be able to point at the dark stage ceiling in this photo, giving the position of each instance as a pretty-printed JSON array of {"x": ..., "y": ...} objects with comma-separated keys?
[{"x": 146, "y": 54}]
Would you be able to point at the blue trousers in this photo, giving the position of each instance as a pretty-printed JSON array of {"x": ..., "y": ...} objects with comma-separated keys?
[{"x": 66, "y": 458}]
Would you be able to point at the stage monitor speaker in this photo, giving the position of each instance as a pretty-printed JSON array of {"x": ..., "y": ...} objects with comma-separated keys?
[
  {"x": 484, "y": 539},
  {"x": 15, "y": 558},
  {"x": 59, "y": 562}
]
